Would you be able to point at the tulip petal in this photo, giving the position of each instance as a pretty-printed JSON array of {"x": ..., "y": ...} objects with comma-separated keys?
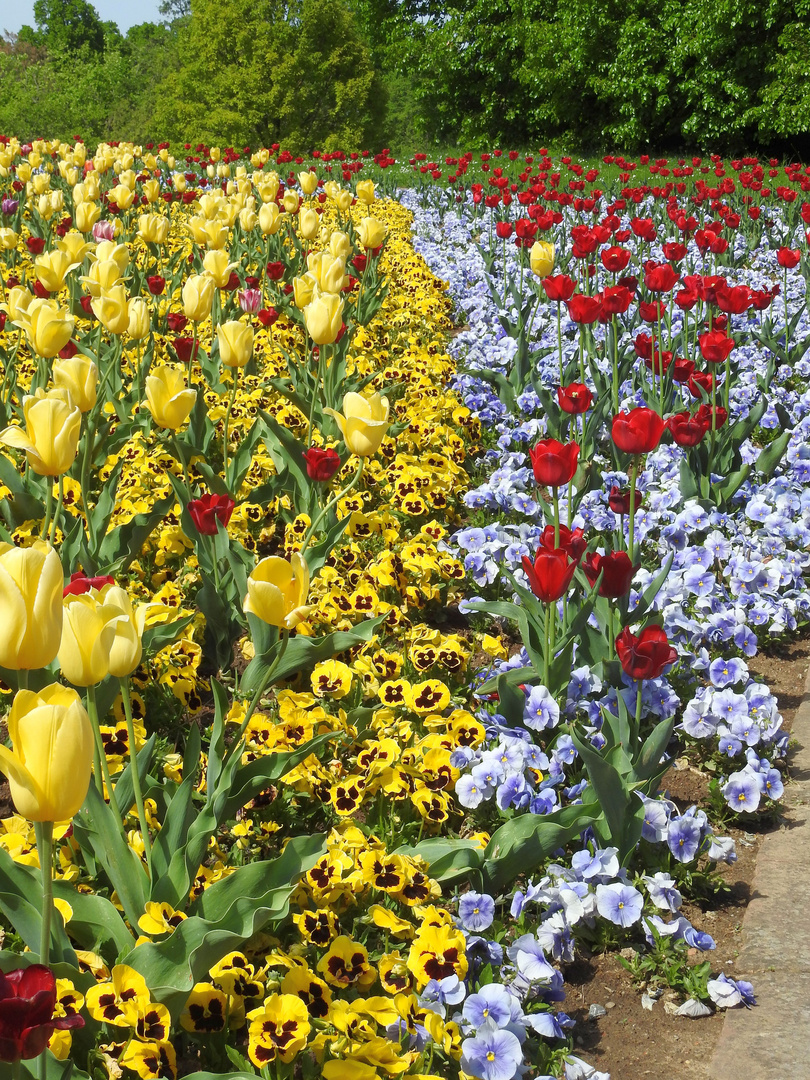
[{"x": 27, "y": 795}]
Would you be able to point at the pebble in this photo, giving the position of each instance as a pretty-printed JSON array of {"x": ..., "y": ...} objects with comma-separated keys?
[
  {"x": 610, "y": 1004},
  {"x": 595, "y": 1012}
]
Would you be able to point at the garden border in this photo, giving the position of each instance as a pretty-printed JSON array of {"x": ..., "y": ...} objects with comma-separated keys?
[{"x": 773, "y": 1041}]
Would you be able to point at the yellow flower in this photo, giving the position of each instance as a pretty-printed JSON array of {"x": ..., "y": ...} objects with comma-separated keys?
[
  {"x": 308, "y": 182},
  {"x": 79, "y": 376},
  {"x": 119, "y": 1000},
  {"x": 48, "y": 767},
  {"x": 138, "y": 323},
  {"x": 235, "y": 343},
  {"x": 436, "y": 953},
  {"x": 31, "y": 581},
  {"x": 217, "y": 266},
  {"x": 52, "y": 268},
  {"x": 308, "y": 223},
  {"x": 364, "y": 422},
  {"x": 125, "y": 651},
  {"x": 371, "y": 233},
  {"x": 8, "y": 239},
  {"x": 18, "y": 300},
  {"x": 331, "y": 679},
  {"x": 324, "y": 318},
  {"x": 85, "y": 215},
  {"x": 167, "y": 398},
  {"x": 88, "y": 633},
  {"x": 365, "y": 191},
  {"x": 205, "y": 1010},
  {"x": 151, "y": 1060},
  {"x": 269, "y": 218},
  {"x": 277, "y": 591},
  {"x": 153, "y": 228},
  {"x": 104, "y": 273},
  {"x": 47, "y": 327},
  {"x": 340, "y": 246},
  {"x": 346, "y": 964},
  {"x": 111, "y": 309},
  {"x": 541, "y": 258},
  {"x": 198, "y": 295},
  {"x": 279, "y": 1029},
  {"x": 329, "y": 270},
  {"x": 52, "y": 429},
  {"x": 304, "y": 290},
  {"x": 291, "y": 201},
  {"x": 75, "y": 245},
  {"x": 343, "y": 200}
]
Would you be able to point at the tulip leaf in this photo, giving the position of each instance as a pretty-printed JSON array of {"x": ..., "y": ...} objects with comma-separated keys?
[
  {"x": 126, "y": 542},
  {"x": 224, "y": 916},
  {"x": 158, "y": 637},
  {"x": 96, "y": 924},
  {"x": 21, "y": 903},
  {"x": 451, "y": 861},
  {"x": 521, "y": 844},
  {"x": 95, "y": 828}
]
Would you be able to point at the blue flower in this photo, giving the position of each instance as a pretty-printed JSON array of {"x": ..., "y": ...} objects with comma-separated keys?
[
  {"x": 742, "y": 791},
  {"x": 541, "y": 710},
  {"x": 619, "y": 904},
  {"x": 492, "y": 1003},
  {"x": 476, "y": 911},
  {"x": 683, "y": 838},
  {"x": 493, "y": 1054}
]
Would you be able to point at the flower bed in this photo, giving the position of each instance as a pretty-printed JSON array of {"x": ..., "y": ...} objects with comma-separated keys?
[{"x": 310, "y": 812}]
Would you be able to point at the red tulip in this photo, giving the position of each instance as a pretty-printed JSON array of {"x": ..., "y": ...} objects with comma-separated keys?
[
  {"x": 559, "y": 288},
  {"x": 715, "y": 347},
  {"x": 682, "y": 369},
  {"x": 504, "y": 229},
  {"x": 275, "y": 271},
  {"x": 156, "y": 284},
  {"x": 643, "y": 228},
  {"x": 176, "y": 322},
  {"x": 571, "y": 541},
  {"x": 652, "y": 310},
  {"x": 35, "y": 244},
  {"x": 661, "y": 278},
  {"x": 619, "y": 501},
  {"x": 554, "y": 463},
  {"x": 617, "y": 572},
  {"x": 615, "y": 258},
  {"x": 321, "y": 464},
  {"x": 575, "y": 398},
  {"x": 674, "y": 251},
  {"x": 615, "y": 300},
  {"x": 584, "y": 309},
  {"x": 80, "y": 583},
  {"x": 734, "y": 300},
  {"x": 787, "y": 258},
  {"x": 208, "y": 509},
  {"x": 707, "y": 287},
  {"x": 27, "y": 1001},
  {"x": 687, "y": 430},
  {"x": 183, "y": 347},
  {"x": 700, "y": 381},
  {"x": 637, "y": 432},
  {"x": 645, "y": 656},
  {"x": 267, "y": 316},
  {"x": 550, "y": 574},
  {"x": 704, "y": 415}
]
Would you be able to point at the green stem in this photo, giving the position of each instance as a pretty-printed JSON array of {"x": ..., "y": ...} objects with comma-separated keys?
[
  {"x": 136, "y": 779},
  {"x": 615, "y": 359},
  {"x": 228, "y": 411},
  {"x": 555, "y": 494},
  {"x": 182, "y": 460},
  {"x": 547, "y": 653},
  {"x": 59, "y": 502},
  {"x": 631, "y": 527},
  {"x": 639, "y": 685},
  {"x": 559, "y": 339},
  {"x": 284, "y": 639},
  {"x": 330, "y": 505},
  {"x": 92, "y": 712},
  {"x": 87, "y": 457},
  {"x": 44, "y": 834},
  {"x": 48, "y": 509}
]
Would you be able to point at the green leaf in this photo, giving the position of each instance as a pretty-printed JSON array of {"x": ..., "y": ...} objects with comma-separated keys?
[
  {"x": 451, "y": 861},
  {"x": 126, "y": 542},
  {"x": 522, "y": 843}
]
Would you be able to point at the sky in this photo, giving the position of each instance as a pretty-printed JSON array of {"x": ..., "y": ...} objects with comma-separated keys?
[{"x": 16, "y": 13}]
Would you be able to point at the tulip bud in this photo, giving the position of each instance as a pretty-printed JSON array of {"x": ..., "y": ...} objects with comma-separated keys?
[
  {"x": 308, "y": 182},
  {"x": 88, "y": 632},
  {"x": 304, "y": 290},
  {"x": 323, "y": 318},
  {"x": 269, "y": 218},
  {"x": 104, "y": 274},
  {"x": 153, "y": 228},
  {"x": 217, "y": 266},
  {"x": 167, "y": 398},
  {"x": 277, "y": 591},
  {"x": 365, "y": 191},
  {"x": 108, "y": 249},
  {"x": 371, "y": 233},
  {"x": 31, "y": 604},
  {"x": 51, "y": 436},
  {"x": 541, "y": 258},
  {"x": 8, "y": 239},
  {"x": 112, "y": 309},
  {"x": 151, "y": 190},
  {"x": 126, "y": 649},
  {"x": 79, "y": 376},
  {"x": 308, "y": 223},
  {"x": 364, "y": 422},
  {"x": 291, "y": 202},
  {"x": 49, "y": 764},
  {"x": 340, "y": 245},
  {"x": 248, "y": 219},
  {"x": 17, "y": 303},
  {"x": 198, "y": 296},
  {"x": 47, "y": 327},
  {"x": 139, "y": 318},
  {"x": 235, "y": 343}
]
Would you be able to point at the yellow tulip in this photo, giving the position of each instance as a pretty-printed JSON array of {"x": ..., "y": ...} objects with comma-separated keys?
[
  {"x": 196, "y": 226},
  {"x": 40, "y": 184},
  {"x": 85, "y": 215},
  {"x": 167, "y": 398},
  {"x": 51, "y": 436},
  {"x": 291, "y": 202},
  {"x": 371, "y": 233},
  {"x": 24, "y": 172},
  {"x": 52, "y": 268},
  {"x": 267, "y": 185},
  {"x": 340, "y": 245},
  {"x": 151, "y": 190},
  {"x": 47, "y": 327},
  {"x": 269, "y": 218},
  {"x": 103, "y": 275},
  {"x": 119, "y": 253},
  {"x": 308, "y": 182},
  {"x": 153, "y": 228},
  {"x": 344, "y": 200},
  {"x": 210, "y": 204},
  {"x": 127, "y": 178},
  {"x": 323, "y": 318},
  {"x": 31, "y": 581},
  {"x": 75, "y": 245},
  {"x": 88, "y": 633},
  {"x": 139, "y": 318},
  {"x": 541, "y": 258},
  {"x": 363, "y": 423},
  {"x": 217, "y": 266},
  {"x": 365, "y": 191},
  {"x": 79, "y": 376},
  {"x": 198, "y": 296},
  {"x": 332, "y": 189},
  {"x": 49, "y": 764},
  {"x": 248, "y": 219},
  {"x": 304, "y": 290},
  {"x": 329, "y": 270},
  {"x": 277, "y": 591},
  {"x": 126, "y": 650},
  {"x": 112, "y": 309},
  {"x": 216, "y": 235},
  {"x": 308, "y": 223},
  {"x": 235, "y": 343},
  {"x": 179, "y": 182},
  {"x": 17, "y": 302},
  {"x": 8, "y": 239},
  {"x": 122, "y": 196}
]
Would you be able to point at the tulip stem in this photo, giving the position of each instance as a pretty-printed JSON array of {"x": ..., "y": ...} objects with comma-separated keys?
[
  {"x": 182, "y": 460},
  {"x": 273, "y": 667},
  {"x": 555, "y": 494},
  {"x": 632, "y": 510},
  {"x": 559, "y": 340},
  {"x": 92, "y": 712},
  {"x": 58, "y": 513},
  {"x": 87, "y": 460},
  {"x": 547, "y": 653},
  {"x": 227, "y": 421},
  {"x": 136, "y": 777},
  {"x": 48, "y": 508},
  {"x": 349, "y": 487},
  {"x": 639, "y": 686},
  {"x": 44, "y": 833}
]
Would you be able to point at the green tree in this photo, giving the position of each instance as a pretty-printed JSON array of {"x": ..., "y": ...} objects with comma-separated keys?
[{"x": 65, "y": 26}]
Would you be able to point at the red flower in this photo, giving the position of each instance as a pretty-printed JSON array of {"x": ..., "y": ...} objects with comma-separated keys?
[
  {"x": 156, "y": 284},
  {"x": 550, "y": 574},
  {"x": 715, "y": 346},
  {"x": 86, "y": 304},
  {"x": 559, "y": 288},
  {"x": 617, "y": 572},
  {"x": 637, "y": 432},
  {"x": 674, "y": 251},
  {"x": 652, "y": 310},
  {"x": 79, "y": 583},
  {"x": 176, "y": 322},
  {"x": 573, "y": 542},
  {"x": 183, "y": 347},
  {"x": 615, "y": 258},
  {"x": 658, "y": 361},
  {"x": 584, "y": 309},
  {"x": 619, "y": 501},
  {"x": 661, "y": 278},
  {"x": 554, "y": 463},
  {"x": 686, "y": 299},
  {"x": 787, "y": 258},
  {"x": 275, "y": 271},
  {"x": 208, "y": 509},
  {"x": 68, "y": 351},
  {"x": 615, "y": 300},
  {"x": 643, "y": 228},
  {"x": 35, "y": 244},
  {"x": 321, "y": 464},
  {"x": 267, "y": 316},
  {"x": 682, "y": 369},
  {"x": 734, "y": 300},
  {"x": 27, "y": 1001},
  {"x": 359, "y": 263},
  {"x": 700, "y": 381},
  {"x": 704, "y": 415},
  {"x": 575, "y": 399},
  {"x": 707, "y": 287},
  {"x": 645, "y": 656},
  {"x": 504, "y": 229},
  {"x": 687, "y": 430}
]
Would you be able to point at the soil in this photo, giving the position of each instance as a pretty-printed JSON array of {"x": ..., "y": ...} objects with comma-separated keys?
[{"x": 630, "y": 1042}]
